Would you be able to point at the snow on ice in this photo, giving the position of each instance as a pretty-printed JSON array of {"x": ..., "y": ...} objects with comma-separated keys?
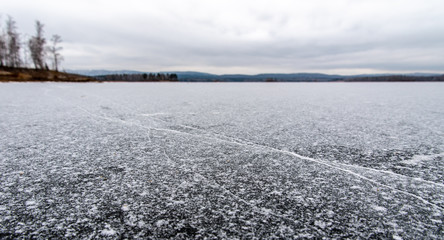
[{"x": 192, "y": 161}]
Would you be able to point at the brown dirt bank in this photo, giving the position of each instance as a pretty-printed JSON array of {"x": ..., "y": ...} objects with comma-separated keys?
[{"x": 8, "y": 74}]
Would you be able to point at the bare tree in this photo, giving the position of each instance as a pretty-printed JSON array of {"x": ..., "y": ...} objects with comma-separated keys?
[
  {"x": 3, "y": 49},
  {"x": 37, "y": 46},
  {"x": 13, "y": 44},
  {"x": 54, "y": 50},
  {"x": 25, "y": 50}
]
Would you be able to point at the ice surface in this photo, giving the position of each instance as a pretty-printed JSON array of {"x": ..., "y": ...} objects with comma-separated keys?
[{"x": 208, "y": 160}]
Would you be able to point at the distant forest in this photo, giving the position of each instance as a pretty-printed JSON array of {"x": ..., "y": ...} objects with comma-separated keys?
[
  {"x": 397, "y": 78},
  {"x": 298, "y": 77},
  {"x": 144, "y": 77}
]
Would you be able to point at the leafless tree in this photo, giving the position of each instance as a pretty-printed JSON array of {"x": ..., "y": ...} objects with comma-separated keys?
[
  {"x": 25, "y": 50},
  {"x": 54, "y": 50},
  {"x": 13, "y": 44},
  {"x": 37, "y": 46},
  {"x": 3, "y": 48}
]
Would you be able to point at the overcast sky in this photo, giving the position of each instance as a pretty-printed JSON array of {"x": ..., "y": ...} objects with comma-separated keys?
[{"x": 241, "y": 36}]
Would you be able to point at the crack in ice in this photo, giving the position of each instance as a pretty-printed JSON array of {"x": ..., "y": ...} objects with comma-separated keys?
[
  {"x": 249, "y": 144},
  {"x": 252, "y": 144},
  {"x": 237, "y": 140}
]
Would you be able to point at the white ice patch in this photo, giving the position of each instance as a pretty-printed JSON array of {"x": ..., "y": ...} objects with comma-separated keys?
[
  {"x": 379, "y": 208},
  {"x": 125, "y": 208},
  {"x": 30, "y": 204},
  {"x": 179, "y": 202},
  {"x": 108, "y": 231},
  {"x": 320, "y": 224},
  {"x": 418, "y": 159},
  {"x": 396, "y": 237},
  {"x": 160, "y": 223},
  {"x": 274, "y": 192},
  {"x": 153, "y": 114},
  {"x": 141, "y": 224},
  {"x": 144, "y": 193},
  {"x": 185, "y": 185}
]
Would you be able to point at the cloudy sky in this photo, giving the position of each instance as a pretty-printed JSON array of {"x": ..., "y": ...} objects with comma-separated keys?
[{"x": 241, "y": 36}]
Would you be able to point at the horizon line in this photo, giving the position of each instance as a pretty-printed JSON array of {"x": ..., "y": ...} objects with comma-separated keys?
[{"x": 262, "y": 73}]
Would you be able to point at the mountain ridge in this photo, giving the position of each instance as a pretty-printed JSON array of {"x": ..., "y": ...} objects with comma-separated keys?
[
  {"x": 98, "y": 72},
  {"x": 193, "y": 76}
]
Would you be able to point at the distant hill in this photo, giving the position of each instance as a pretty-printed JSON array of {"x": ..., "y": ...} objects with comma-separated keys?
[
  {"x": 93, "y": 73},
  {"x": 8, "y": 74},
  {"x": 304, "y": 77},
  {"x": 266, "y": 77},
  {"x": 190, "y": 76},
  {"x": 397, "y": 78}
]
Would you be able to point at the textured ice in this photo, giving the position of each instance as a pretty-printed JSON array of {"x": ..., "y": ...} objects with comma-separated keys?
[
  {"x": 203, "y": 160},
  {"x": 419, "y": 159}
]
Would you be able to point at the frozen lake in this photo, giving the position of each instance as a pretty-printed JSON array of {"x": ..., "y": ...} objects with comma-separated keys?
[{"x": 222, "y": 160}]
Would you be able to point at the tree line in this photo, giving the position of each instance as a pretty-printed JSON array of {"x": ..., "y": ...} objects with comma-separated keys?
[
  {"x": 145, "y": 77},
  {"x": 16, "y": 53},
  {"x": 397, "y": 78}
]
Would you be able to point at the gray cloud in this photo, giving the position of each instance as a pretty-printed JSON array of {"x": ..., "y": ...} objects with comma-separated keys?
[{"x": 335, "y": 36}]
